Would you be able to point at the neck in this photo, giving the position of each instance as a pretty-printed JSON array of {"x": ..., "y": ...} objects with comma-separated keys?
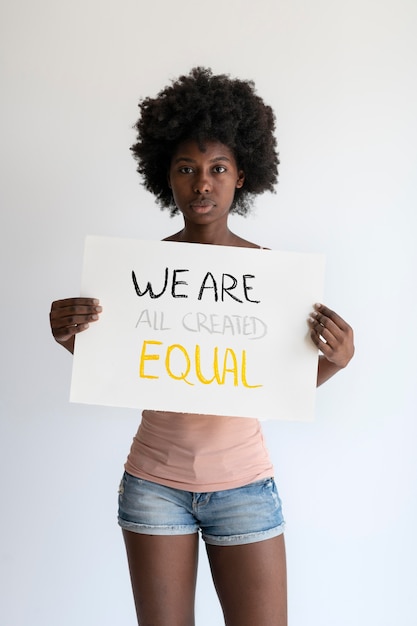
[{"x": 206, "y": 235}]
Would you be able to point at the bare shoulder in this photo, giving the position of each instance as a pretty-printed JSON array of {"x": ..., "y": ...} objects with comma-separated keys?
[
  {"x": 174, "y": 237},
  {"x": 243, "y": 243}
]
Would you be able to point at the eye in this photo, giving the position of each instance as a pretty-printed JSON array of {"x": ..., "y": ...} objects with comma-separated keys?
[
  {"x": 186, "y": 169},
  {"x": 220, "y": 169}
]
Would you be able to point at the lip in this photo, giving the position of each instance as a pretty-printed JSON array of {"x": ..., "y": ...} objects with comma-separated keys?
[
  {"x": 202, "y": 202},
  {"x": 202, "y": 205}
]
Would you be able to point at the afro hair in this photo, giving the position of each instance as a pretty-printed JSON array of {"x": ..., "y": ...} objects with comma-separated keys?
[{"x": 206, "y": 107}]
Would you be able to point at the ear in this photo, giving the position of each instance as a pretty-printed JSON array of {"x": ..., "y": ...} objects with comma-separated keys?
[
  {"x": 240, "y": 180},
  {"x": 169, "y": 180}
]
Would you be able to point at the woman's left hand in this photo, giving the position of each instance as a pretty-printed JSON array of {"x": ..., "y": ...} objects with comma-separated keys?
[{"x": 332, "y": 335}]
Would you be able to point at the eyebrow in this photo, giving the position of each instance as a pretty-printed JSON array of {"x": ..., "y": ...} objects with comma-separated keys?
[{"x": 190, "y": 160}]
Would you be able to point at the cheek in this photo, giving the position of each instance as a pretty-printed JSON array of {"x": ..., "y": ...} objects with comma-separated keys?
[
  {"x": 177, "y": 190},
  {"x": 177, "y": 195}
]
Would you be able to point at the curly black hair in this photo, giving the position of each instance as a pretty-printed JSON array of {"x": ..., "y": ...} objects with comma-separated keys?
[{"x": 207, "y": 107}]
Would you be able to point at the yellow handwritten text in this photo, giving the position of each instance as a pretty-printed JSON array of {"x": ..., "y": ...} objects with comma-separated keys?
[{"x": 226, "y": 366}]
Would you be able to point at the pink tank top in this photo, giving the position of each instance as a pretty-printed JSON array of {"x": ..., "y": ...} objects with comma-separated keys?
[{"x": 198, "y": 453}]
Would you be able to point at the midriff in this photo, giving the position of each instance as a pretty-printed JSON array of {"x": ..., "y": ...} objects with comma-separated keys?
[{"x": 198, "y": 453}]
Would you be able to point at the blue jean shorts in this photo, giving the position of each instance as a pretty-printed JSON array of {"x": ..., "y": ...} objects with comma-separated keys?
[{"x": 230, "y": 517}]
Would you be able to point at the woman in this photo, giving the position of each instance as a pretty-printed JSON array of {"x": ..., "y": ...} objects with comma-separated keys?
[{"x": 205, "y": 148}]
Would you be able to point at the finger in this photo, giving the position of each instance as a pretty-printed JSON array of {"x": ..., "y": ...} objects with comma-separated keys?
[
  {"x": 327, "y": 337},
  {"x": 321, "y": 335},
  {"x": 326, "y": 328},
  {"x": 326, "y": 313},
  {"x": 334, "y": 342},
  {"x": 73, "y": 307},
  {"x": 315, "y": 337},
  {"x": 78, "y": 301},
  {"x": 71, "y": 316},
  {"x": 63, "y": 334},
  {"x": 63, "y": 324},
  {"x": 73, "y": 320},
  {"x": 336, "y": 325}
]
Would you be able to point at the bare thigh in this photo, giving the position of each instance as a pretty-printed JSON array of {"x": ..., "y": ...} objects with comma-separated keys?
[
  {"x": 251, "y": 582},
  {"x": 163, "y": 572}
]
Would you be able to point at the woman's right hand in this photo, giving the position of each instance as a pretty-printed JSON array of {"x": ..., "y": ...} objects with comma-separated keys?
[{"x": 72, "y": 316}]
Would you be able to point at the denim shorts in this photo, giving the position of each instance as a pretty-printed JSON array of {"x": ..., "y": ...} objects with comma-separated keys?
[{"x": 230, "y": 517}]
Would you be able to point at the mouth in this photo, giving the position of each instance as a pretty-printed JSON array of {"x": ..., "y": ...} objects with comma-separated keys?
[{"x": 202, "y": 205}]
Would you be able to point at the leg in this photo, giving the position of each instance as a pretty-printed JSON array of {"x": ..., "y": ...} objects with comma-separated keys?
[
  {"x": 163, "y": 570},
  {"x": 251, "y": 582}
]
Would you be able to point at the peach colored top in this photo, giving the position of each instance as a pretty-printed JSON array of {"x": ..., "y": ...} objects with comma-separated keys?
[{"x": 198, "y": 453}]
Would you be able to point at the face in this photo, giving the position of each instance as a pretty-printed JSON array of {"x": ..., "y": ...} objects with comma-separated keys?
[{"x": 204, "y": 182}]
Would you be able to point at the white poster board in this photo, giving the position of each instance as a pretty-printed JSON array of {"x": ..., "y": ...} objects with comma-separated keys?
[{"x": 199, "y": 329}]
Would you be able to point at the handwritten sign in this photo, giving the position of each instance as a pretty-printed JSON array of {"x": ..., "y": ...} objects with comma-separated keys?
[{"x": 199, "y": 329}]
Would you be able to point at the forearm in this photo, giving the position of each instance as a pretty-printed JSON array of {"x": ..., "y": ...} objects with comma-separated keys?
[
  {"x": 69, "y": 344},
  {"x": 326, "y": 369}
]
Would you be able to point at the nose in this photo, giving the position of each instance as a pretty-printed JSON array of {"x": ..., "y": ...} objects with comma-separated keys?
[{"x": 202, "y": 183}]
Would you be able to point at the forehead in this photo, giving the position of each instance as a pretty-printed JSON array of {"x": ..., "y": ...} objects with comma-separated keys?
[{"x": 211, "y": 150}]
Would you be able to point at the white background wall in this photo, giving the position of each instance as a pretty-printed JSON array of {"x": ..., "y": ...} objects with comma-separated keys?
[{"x": 341, "y": 77}]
